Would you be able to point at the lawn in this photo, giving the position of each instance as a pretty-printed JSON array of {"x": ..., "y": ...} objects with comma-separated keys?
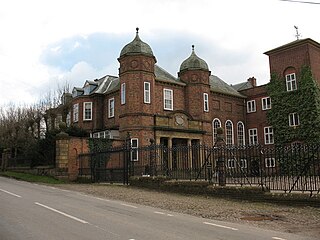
[{"x": 31, "y": 178}]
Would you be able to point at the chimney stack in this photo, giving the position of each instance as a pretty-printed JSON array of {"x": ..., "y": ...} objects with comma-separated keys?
[{"x": 253, "y": 81}]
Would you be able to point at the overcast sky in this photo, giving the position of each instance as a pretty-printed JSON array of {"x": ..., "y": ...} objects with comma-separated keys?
[{"x": 46, "y": 43}]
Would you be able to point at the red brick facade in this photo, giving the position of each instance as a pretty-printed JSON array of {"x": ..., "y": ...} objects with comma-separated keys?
[{"x": 195, "y": 98}]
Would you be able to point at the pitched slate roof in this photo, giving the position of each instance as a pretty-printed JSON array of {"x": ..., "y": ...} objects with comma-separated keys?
[
  {"x": 242, "y": 86},
  {"x": 109, "y": 84},
  {"x": 164, "y": 76},
  {"x": 217, "y": 85}
]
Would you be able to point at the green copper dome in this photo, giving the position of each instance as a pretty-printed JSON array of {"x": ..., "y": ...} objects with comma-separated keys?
[
  {"x": 136, "y": 47},
  {"x": 193, "y": 62}
]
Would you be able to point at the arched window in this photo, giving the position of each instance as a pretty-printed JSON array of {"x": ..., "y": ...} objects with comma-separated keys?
[
  {"x": 216, "y": 123},
  {"x": 240, "y": 134},
  {"x": 229, "y": 133}
]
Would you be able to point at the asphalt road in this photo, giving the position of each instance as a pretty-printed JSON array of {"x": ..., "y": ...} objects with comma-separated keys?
[{"x": 31, "y": 211}]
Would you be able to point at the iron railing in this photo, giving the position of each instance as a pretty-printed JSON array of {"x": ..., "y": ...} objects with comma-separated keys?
[{"x": 285, "y": 168}]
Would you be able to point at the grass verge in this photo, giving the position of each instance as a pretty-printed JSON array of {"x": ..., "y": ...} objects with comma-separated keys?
[{"x": 31, "y": 178}]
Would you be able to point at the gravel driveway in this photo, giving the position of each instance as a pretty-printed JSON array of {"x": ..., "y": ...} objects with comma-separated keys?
[{"x": 303, "y": 221}]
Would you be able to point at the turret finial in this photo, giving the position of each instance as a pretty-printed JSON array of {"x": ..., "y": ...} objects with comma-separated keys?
[
  {"x": 192, "y": 47},
  {"x": 137, "y": 29}
]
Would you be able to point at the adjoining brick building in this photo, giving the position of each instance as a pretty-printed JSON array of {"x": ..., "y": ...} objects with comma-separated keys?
[{"x": 149, "y": 103}]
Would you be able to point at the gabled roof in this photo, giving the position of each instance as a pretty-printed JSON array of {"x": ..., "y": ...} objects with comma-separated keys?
[
  {"x": 106, "y": 84},
  {"x": 90, "y": 83},
  {"x": 77, "y": 89},
  {"x": 219, "y": 86}
]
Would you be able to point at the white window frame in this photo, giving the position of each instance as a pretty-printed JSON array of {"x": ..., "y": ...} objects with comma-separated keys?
[
  {"x": 231, "y": 163},
  {"x": 270, "y": 162},
  {"x": 268, "y": 135},
  {"x": 291, "y": 82},
  {"x": 167, "y": 101},
  {"x": 239, "y": 137},
  {"x": 228, "y": 135},
  {"x": 253, "y": 136},
  {"x": 111, "y": 105},
  {"x": 266, "y": 103},
  {"x": 68, "y": 119},
  {"x": 75, "y": 112},
  {"x": 294, "y": 119},
  {"x": 134, "y": 156},
  {"x": 146, "y": 92},
  {"x": 95, "y": 135},
  {"x": 251, "y": 106},
  {"x": 205, "y": 102},
  {"x": 243, "y": 163},
  {"x": 123, "y": 94},
  {"x": 85, "y": 104},
  {"x": 214, "y": 128}
]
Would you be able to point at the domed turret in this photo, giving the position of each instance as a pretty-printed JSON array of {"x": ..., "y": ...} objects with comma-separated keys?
[
  {"x": 137, "y": 46},
  {"x": 193, "y": 62}
]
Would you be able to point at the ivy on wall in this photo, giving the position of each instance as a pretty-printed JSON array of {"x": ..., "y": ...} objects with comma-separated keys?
[{"x": 305, "y": 101}]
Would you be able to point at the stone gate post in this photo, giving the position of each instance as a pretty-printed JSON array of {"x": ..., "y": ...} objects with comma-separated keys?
[{"x": 62, "y": 152}]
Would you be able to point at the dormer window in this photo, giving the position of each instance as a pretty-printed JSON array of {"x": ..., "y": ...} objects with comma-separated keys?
[
  {"x": 89, "y": 87},
  {"x": 87, "y": 90},
  {"x": 77, "y": 92},
  {"x": 74, "y": 93}
]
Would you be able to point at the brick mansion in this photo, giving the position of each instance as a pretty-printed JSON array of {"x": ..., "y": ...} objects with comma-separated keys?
[{"x": 147, "y": 102}]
